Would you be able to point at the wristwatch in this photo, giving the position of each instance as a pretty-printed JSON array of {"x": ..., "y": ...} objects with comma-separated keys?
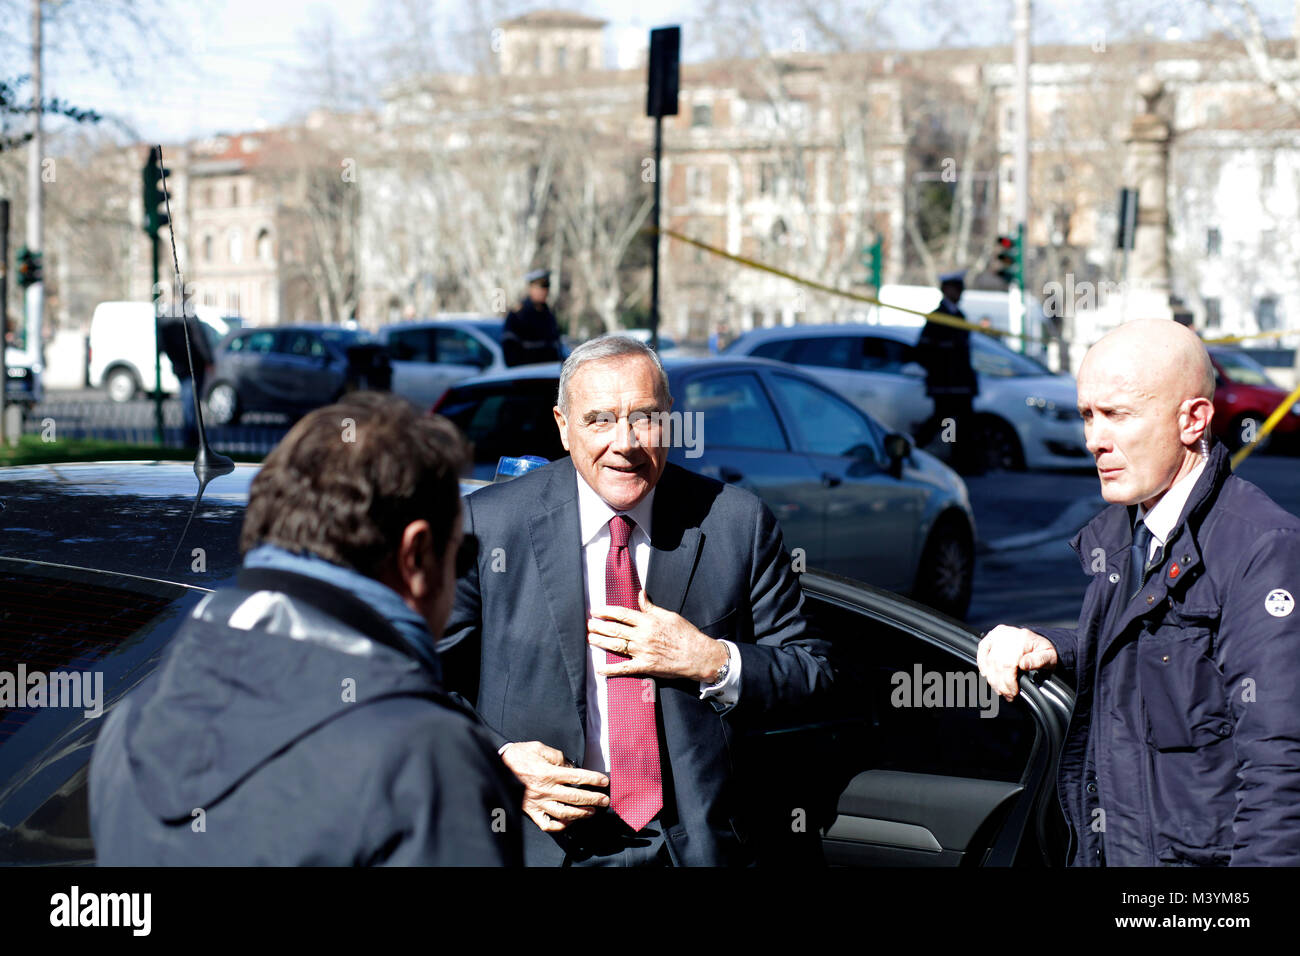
[{"x": 725, "y": 669}]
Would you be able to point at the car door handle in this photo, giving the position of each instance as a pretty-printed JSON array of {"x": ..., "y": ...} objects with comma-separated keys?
[
  {"x": 831, "y": 481},
  {"x": 730, "y": 475}
]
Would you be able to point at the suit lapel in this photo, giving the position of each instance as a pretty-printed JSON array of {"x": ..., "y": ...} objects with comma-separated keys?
[
  {"x": 674, "y": 548},
  {"x": 557, "y": 549}
]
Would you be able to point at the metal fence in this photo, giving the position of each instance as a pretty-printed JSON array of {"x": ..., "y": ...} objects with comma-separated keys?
[{"x": 133, "y": 423}]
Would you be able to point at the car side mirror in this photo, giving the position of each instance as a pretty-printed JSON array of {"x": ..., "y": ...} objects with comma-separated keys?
[{"x": 897, "y": 448}]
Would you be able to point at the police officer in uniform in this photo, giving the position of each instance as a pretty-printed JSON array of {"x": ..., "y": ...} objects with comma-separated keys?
[
  {"x": 532, "y": 335},
  {"x": 950, "y": 381},
  {"x": 1184, "y": 745}
]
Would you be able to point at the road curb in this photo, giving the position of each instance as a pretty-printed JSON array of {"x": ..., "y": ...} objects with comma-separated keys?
[{"x": 1069, "y": 521}]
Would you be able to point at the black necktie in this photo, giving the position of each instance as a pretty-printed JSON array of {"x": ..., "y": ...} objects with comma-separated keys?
[{"x": 1137, "y": 558}]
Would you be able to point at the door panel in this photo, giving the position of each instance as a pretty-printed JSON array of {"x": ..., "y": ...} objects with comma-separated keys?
[
  {"x": 870, "y": 518},
  {"x": 899, "y": 768}
]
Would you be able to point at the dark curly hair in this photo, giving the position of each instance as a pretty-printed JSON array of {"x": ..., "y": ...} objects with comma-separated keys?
[{"x": 349, "y": 477}]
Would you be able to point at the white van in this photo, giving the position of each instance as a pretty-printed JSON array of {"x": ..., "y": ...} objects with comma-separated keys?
[{"x": 123, "y": 343}]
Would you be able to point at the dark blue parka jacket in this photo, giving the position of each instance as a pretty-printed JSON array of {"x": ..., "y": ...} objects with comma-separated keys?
[
  {"x": 289, "y": 726},
  {"x": 1184, "y": 746}
]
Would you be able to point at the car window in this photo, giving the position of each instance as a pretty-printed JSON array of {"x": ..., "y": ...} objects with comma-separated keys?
[
  {"x": 1242, "y": 369},
  {"x": 823, "y": 423},
  {"x": 914, "y": 707},
  {"x": 884, "y": 355},
  {"x": 411, "y": 345},
  {"x": 736, "y": 412},
  {"x": 304, "y": 345},
  {"x": 988, "y": 357},
  {"x": 258, "y": 343},
  {"x": 455, "y": 347},
  {"x": 828, "y": 351},
  {"x": 506, "y": 418},
  {"x": 777, "y": 350}
]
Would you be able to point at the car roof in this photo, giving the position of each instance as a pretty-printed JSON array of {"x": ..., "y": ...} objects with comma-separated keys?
[
  {"x": 129, "y": 517},
  {"x": 673, "y": 365},
  {"x": 901, "y": 333}
]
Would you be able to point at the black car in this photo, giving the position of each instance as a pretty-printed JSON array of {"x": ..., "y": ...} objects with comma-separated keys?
[
  {"x": 102, "y": 562},
  {"x": 290, "y": 370}
]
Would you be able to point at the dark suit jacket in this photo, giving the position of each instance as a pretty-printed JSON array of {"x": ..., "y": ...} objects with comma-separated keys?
[
  {"x": 945, "y": 353},
  {"x": 519, "y": 628}
]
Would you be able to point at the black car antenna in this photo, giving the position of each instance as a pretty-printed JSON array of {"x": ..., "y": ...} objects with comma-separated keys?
[{"x": 207, "y": 463}]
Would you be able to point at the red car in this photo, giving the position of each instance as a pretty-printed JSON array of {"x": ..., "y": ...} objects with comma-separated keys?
[{"x": 1244, "y": 397}]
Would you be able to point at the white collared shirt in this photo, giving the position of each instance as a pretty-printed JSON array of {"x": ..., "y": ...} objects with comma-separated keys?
[
  {"x": 1161, "y": 519},
  {"x": 593, "y": 520}
]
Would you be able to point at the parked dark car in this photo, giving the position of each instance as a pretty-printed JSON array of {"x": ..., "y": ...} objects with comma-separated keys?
[
  {"x": 290, "y": 370},
  {"x": 1244, "y": 398},
  {"x": 852, "y": 499},
  {"x": 102, "y": 562}
]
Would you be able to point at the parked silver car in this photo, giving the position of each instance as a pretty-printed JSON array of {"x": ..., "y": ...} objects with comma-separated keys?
[
  {"x": 428, "y": 356},
  {"x": 1027, "y": 414}
]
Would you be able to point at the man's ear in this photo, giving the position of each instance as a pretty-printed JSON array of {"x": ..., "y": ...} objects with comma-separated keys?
[
  {"x": 562, "y": 424},
  {"x": 1194, "y": 420},
  {"x": 416, "y": 562}
]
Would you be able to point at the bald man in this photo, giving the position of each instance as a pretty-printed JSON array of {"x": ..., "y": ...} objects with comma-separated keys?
[{"x": 1184, "y": 746}]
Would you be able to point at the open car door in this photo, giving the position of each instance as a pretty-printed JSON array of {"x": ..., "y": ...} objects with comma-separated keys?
[{"x": 912, "y": 761}]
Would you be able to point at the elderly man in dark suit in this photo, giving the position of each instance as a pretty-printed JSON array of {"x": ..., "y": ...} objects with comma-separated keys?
[{"x": 617, "y": 705}]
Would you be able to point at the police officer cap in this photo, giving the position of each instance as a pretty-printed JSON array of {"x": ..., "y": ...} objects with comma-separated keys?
[
  {"x": 958, "y": 276},
  {"x": 538, "y": 275}
]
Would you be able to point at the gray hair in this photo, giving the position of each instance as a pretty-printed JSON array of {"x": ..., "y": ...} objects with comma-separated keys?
[{"x": 604, "y": 347}]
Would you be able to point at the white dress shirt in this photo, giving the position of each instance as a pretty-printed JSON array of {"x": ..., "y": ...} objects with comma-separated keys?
[
  {"x": 593, "y": 517},
  {"x": 1161, "y": 519}
]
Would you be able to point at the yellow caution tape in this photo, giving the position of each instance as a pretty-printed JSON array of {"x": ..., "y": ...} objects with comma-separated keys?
[
  {"x": 939, "y": 317},
  {"x": 1272, "y": 420}
]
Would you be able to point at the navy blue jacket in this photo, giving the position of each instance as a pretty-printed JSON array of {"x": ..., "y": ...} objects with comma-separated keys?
[
  {"x": 1184, "y": 746},
  {"x": 518, "y": 631},
  {"x": 288, "y": 725}
]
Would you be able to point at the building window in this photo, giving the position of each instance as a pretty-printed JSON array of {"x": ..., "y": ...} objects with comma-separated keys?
[
  {"x": 766, "y": 178},
  {"x": 207, "y": 249},
  {"x": 235, "y": 245},
  {"x": 561, "y": 58},
  {"x": 537, "y": 58},
  {"x": 584, "y": 59},
  {"x": 234, "y": 194},
  {"x": 698, "y": 182},
  {"x": 1213, "y": 314},
  {"x": 1058, "y": 125},
  {"x": 702, "y": 114},
  {"x": 232, "y": 301},
  {"x": 208, "y": 197},
  {"x": 1267, "y": 173},
  {"x": 264, "y": 245},
  {"x": 1213, "y": 242},
  {"x": 1266, "y": 313}
]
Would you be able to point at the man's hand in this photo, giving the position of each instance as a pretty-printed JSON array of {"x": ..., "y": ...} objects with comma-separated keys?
[
  {"x": 658, "y": 642},
  {"x": 552, "y": 797},
  {"x": 1005, "y": 652}
]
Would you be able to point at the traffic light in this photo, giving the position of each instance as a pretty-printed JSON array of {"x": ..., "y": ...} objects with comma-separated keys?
[
  {"x": 872, "y": 257},
  {"x": 154, "y": 195},
  {"x": 29, "y": 267},
  {"x": 1010, "y": 264}
]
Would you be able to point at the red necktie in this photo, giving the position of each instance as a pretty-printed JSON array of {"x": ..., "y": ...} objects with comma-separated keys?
[{"x": 635, "y": 780}]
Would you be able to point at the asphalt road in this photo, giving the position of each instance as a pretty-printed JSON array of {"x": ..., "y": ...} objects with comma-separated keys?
[{"x": 1041, "y": 581}]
